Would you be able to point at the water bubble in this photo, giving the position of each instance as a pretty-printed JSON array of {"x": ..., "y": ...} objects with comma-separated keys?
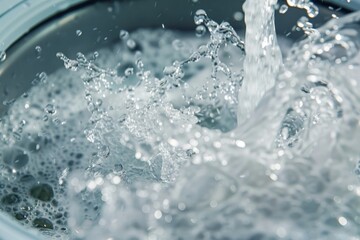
[
  {"x": 98, "y": 102},
  {"x": 200, "y": 17},
  {"x": 200, "y": 31},
  {"x": 283, "y": 9},
  {"x": 302, "y": 22},
  {"x": 78, "y": 33},
  {"x": 42, "y": 192},
  {"x": 21, "y": 215},
  {"x": 357, "y": 169},
  {"x": 118, "y": 168},
  {"x": 38, "y": 49},
  {"x": 2, "y": 56},
  {"x": 123, "y": 34},
  {"x": 50, "y": 109},
  {"x": 129, "y": 72},
  {"x": 15, "y": 157},
  {"x": 95, "y": 55},
  {"x": 57, "y": 121},
  {"x": 178, "y": 44},
  {"x": 43, "y": 77},
  {"x": 131, "y": 44},
  {"x": 11, "y": 199},
  {"x": 238, "y": 16},
  {"x": 20, "y": 160},
  {"x": 43, "y": 223},
  {"x": 27, "y": 178},
  {"x": 190, "y": 152}
]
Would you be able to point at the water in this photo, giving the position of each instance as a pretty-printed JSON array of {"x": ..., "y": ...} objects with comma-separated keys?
[
  {"x": 149, "y": 140},
  {"x": 259, "y": 76}
]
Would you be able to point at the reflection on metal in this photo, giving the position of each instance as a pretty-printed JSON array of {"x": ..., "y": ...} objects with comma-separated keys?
[{"x": 18, "y": 17}]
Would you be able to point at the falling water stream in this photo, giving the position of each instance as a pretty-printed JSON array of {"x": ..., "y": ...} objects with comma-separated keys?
[{"x": 193, "y": 137}]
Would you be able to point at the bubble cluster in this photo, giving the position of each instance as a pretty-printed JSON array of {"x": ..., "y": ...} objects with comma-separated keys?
[{"x": 37, "y": 155}]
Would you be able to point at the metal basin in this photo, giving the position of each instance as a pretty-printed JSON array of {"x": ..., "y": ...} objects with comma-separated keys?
[{"x": 100, "y": 23}]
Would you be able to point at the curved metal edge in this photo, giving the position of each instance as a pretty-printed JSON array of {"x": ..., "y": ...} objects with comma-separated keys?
[
  {"x": 18, "y": 19},
  {"x": 11, "y": 229}
]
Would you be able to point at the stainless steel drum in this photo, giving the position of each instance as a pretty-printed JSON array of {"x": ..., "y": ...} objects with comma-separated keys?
[{"x": 52, "y": 25}]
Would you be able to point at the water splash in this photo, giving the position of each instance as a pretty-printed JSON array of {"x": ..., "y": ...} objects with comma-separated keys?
[
  {"x": 152, "y": 150},
  {"x": 311, "y": 9}
]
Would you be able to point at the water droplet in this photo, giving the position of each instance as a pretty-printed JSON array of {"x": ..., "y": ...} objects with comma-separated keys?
[
  {"x": 200, "y": 31},
  {"x": 98, "y": 103},
  {"x": 181, "y": 206},
  {"x": 200, "y": 17},
  {"x": 283, "y": 9},
  {"x": 238, "y": 16},
  {"x": 123, "y": 34},
  {"x": 302, "y": 22},
  {"x": 129, "y": 72},
  {"x": 50, "y": 109},
  {"x": 2, "y": 56},
  {"x": 95, "y": 55},
  {"x": 78, "y": 33},
  {"x": 38, "y": 49},
  {"x": 131, "y": 44},
  {"x": 312, "y": 10},
  {"x": 118, "y": 167},
  {"x": 157, "y": 214},
  {"x": 43, "y": 77}
]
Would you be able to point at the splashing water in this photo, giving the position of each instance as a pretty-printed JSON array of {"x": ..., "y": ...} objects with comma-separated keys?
[
  {"x": 262, "y": 62},
  {"x": 311, "y": 9},
  {"x": 206, "y": 142}
]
